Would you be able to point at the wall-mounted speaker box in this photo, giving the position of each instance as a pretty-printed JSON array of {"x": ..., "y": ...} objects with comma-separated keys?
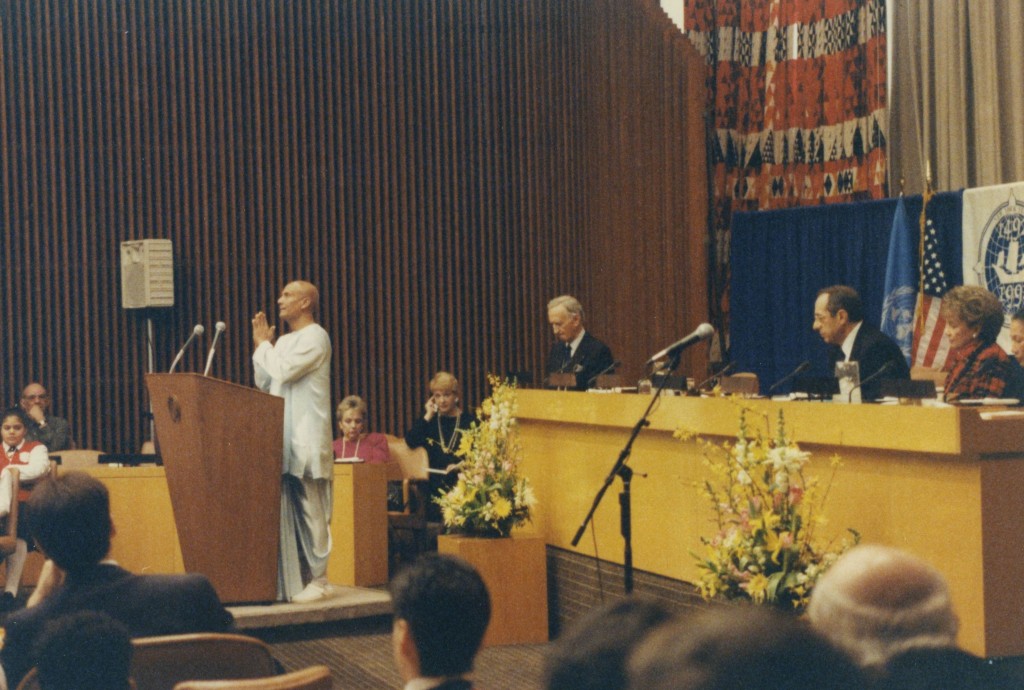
[{"x": 147, "y": 274}]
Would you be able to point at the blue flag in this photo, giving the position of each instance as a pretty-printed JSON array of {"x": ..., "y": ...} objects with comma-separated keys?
[{"x": 900, "y": 283}]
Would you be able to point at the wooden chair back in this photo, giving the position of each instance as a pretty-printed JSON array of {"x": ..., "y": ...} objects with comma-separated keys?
[
  {"x": 312, "y": 678},
  {"x": 744, "y": 383},
  {"x": 160, "y": 663},
  {"x": 409, "y": 463}
]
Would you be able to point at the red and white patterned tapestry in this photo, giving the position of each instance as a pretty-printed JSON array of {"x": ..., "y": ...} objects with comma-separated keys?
[{"x": 797, "y": 96}]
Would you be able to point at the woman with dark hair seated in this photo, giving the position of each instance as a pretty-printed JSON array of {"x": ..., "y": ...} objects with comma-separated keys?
[{"x": 977, "y": 366}]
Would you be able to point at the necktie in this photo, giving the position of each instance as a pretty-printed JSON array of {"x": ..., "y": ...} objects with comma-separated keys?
[
  {"x": 568, "y": 354},
  {"x": 11, "y": 451}
]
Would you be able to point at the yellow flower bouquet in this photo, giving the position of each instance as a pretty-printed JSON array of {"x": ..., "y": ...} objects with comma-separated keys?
[
  {"x": 766, "y": 510},
  {"x": 489, "y": 498}
]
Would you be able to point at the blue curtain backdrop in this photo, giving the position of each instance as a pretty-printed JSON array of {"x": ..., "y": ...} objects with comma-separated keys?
[{"x": 780, "y": 259}]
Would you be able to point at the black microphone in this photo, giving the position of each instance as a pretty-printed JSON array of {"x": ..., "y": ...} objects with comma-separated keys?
[
  {"x": 801, "y": 368},
  {"x": 611, "y": 367},
  {"x": 219, "y": 328},
  {"x": 718, "y": 374},
  {"x": 884, "y": 369},
  {"x": 196, "y": 330},
  {"x": 703, "y": 332}
]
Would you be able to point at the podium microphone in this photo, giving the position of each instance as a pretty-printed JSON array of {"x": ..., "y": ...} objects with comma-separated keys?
[
  {"x": 197, "y": 330},
  {"x": 219, "y": 328},
  {"x": 611, "y": 367},
  {"x": 724, "y": 371},
  {"x": 703, "y": 332},
  {"x": 884, "y": 369},
  {"x": 801, "y": 368}
]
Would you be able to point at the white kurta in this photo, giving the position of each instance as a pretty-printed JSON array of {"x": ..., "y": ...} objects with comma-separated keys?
[{"x": 298, "y": 368}]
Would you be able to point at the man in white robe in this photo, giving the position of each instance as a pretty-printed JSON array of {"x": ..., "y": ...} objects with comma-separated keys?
[{"x": 298, "y": 368}]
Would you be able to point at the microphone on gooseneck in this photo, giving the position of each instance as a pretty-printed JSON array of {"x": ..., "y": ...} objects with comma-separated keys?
[
  {"x": 724, "y": 371},
  {"x": 703, "y": 332},
  {"x": 801, "y": 368},
  {"x": 611, "y": 367},
  {"x": 196, "y": 330},
  {"x": 884, "y": 369},
  {"x": 219, "y": 328}
]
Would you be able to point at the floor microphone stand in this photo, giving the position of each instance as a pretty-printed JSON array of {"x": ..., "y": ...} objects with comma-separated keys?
[{"x": 623, "y": 471}]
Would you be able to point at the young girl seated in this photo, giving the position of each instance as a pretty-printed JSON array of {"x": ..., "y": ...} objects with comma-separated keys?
[{"x": 32, "y": 462}]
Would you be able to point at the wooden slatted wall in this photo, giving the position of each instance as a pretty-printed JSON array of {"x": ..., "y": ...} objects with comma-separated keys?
[{"x": 424, "y": 163}]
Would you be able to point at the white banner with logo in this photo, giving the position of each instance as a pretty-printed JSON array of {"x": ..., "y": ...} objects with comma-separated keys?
[{"x": 993, "y": 233}]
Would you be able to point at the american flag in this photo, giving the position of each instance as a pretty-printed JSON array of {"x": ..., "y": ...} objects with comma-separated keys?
[{"x": 931, "y": 346}]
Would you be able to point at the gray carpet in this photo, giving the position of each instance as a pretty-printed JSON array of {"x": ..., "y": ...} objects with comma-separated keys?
[{"x": 358, "y": 652}]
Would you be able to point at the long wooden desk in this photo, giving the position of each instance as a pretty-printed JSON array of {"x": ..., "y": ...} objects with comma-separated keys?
[
  {"x": 942, "y": 483},
  {"x": 146, "y": 540}
]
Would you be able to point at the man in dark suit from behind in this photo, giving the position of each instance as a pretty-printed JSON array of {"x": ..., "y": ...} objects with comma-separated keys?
[
  {"x": 70, "y": 520},
  {"x": 441, "y": 611},
  {"x": 839, "y": 320},
  {"x": 576, "y": 351}
]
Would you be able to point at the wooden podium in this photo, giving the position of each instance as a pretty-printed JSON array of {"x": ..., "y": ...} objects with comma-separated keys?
[{"x": 221, "y": 445}]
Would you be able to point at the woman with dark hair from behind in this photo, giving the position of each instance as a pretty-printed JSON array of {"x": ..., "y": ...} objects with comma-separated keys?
[{"x": 978, "y": 367}]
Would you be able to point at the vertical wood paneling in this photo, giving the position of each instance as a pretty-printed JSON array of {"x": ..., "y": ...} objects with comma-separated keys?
[{"x": 438, "y": 169}]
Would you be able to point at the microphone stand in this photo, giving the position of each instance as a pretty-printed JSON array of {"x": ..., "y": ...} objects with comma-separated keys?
[{"x": 625, "y": 472}]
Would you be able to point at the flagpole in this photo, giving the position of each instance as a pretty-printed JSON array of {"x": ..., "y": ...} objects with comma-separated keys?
[{"x": 919, "y": 314}]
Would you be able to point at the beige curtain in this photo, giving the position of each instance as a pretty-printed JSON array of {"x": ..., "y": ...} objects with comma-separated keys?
[{"x": 958, "y": 93}]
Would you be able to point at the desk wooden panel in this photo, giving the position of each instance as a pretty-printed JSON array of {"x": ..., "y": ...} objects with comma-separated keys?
[
  {"x": 359, "y": 526},
  {"x": 941, "y": 483},
  {"x": 146, "y": 540}
]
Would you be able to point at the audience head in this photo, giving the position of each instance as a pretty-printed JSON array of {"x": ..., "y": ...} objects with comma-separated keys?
[
  {"x": 837, "y": 310},
  {"x": 971, "y": 312},
  {"x": 87, "y": 650},
  {"x": 441, "y": 611},
  {"x": 444, "y": 388},
  {"x": 1017, "y": 335},
  {"x": 35, "y": 394},
  {"x": 13, "y": 426},
  {"x": 351, "y": 414},
  {"x": 70, "y": 519},
  {"x": 592, "y": 653},
  {"x": 565, "y": 314},
  {"x": 740, "y": 647},
  {"x": 877, "y": 602}
]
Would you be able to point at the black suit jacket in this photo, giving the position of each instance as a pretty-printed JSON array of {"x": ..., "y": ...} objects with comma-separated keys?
[
  {"x": 872, "y": 349},
  {"x": 591, "y": 358},
  {"x": 146, "y": 604}
]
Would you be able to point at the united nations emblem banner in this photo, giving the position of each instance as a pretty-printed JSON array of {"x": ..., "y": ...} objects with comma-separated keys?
[{"x": 993, "y": 230}]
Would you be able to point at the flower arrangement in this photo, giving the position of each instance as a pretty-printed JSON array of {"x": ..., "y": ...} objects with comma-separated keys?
[
  {"x": 489, "y": 498},
  {"x": 766, "y": 510}
]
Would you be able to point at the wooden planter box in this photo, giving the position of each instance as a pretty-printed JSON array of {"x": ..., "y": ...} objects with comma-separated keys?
[{"x": 516, "y": 574}]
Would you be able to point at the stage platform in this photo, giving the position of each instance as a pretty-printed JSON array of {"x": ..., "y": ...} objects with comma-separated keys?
[{"x": 344, "y": 603}]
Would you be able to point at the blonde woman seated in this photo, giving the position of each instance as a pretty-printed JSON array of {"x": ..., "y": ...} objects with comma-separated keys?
[
  {"x": 439, "y": 430},
  {"x": 354, "y": 442}
]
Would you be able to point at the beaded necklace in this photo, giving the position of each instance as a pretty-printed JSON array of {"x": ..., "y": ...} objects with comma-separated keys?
[
  {"x": 344, "y": 443},
  {"x": 448, "y": 446}
]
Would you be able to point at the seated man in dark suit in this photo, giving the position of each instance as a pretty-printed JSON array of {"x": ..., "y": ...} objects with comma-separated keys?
[
  {"x": 576, "y": 352},
  {"x": 441, "y": 611},
  {"x": 839, "y": 320},
  {"x": 70, "y": 520}
]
